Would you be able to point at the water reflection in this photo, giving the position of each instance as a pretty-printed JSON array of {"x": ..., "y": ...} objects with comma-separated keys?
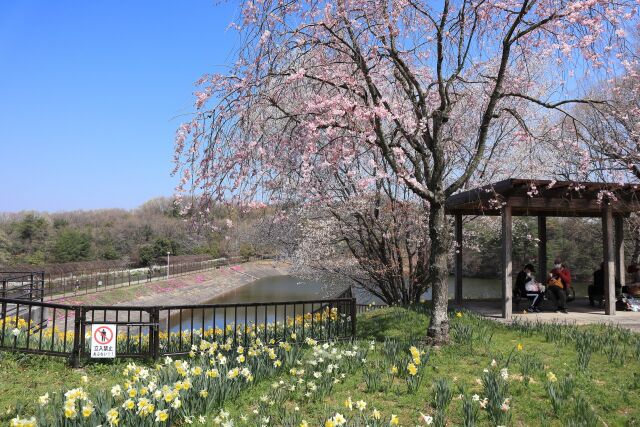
[{"x": 289, "y": 288}]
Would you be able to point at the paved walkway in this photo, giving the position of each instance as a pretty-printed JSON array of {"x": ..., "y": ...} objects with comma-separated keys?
[{"x": 580, "y": 313}]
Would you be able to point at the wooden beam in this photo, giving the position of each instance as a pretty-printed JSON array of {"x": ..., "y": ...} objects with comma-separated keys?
[
  {"x": 542, "y": 249},
  {"x": 458, "y": 272},
  {"x": 563, "y": 204},
  {"x": 619, "y": 249},
  {"x": 480, "y": 193},
  {"x": 559, "y": 190},
  {"x": 533, "y": 206},
  {"x": 507, "y": 263},
  {"x": 609, "y": 260}
]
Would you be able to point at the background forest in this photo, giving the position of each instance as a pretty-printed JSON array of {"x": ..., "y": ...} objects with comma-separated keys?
[
  {"x": 142, "y": 237},
  {"x": 578, "y": 241},
  {"x": 137, "y": 237}
]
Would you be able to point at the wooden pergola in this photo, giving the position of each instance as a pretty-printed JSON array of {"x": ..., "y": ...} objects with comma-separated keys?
[{"x": 543, "y": 198}]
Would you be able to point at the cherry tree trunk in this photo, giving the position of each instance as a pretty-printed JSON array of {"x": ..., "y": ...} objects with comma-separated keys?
[{"x": 438, "y": 332}]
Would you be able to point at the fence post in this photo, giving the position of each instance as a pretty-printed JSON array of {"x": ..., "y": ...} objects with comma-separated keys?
[
  {"x": 155, "y": 333},
  {"x": 42, "y": 290},
  {"x": 77, "y": 331},
  {"x": 353, "y": 318}
]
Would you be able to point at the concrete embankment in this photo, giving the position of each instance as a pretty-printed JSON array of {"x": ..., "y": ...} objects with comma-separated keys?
[
  {"x": 196, "y": 288},
  {"x": 202, "y": 289}
]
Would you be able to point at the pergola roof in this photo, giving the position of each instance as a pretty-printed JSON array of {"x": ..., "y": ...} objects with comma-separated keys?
[{"x": 530, "y": 197}]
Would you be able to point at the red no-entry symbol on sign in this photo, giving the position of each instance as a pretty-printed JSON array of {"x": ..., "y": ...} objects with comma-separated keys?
[
  {"x": 103, "y": 340},
  {"x": 103, "y": 335}
]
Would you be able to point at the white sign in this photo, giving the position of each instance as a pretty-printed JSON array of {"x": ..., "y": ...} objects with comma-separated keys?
[{"x": 103, "y": 341}]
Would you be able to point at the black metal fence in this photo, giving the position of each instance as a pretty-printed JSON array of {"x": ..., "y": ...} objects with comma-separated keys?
[
  {"x": 22, "y": 285},
  {"x": 63, "y": 330},
  {"x": 363, "y": 308},
  {"x": 53, "y": 286},
  {"x": 84, "y": 282}
]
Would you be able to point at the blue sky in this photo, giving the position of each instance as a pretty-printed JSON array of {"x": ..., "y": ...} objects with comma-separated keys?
[{"x": 91, "y": 93}]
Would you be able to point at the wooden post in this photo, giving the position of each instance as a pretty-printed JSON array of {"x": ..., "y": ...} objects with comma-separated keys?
[
  {"x": 542, "y": 249},
  {"x": 458, "y": 273},
  {"x": 507, "y": 263},
  {"x": 619, "y": 249},
  {"x": 609, "y": 261}
]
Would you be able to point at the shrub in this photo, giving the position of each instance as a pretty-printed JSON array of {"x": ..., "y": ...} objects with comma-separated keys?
[{"x": 72, "y": 245}]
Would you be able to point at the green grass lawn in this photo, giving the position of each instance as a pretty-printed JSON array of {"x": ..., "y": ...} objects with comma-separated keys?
[
  {"x": 24, "y": 377},
  {"x": 591, "y": 371},
  {"x": 610, "y": 389}
]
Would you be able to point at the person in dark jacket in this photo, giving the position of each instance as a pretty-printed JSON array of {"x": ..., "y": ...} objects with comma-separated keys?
[
  {"x": 527, "y": 286},
  {"x": 596, "y": 291}
]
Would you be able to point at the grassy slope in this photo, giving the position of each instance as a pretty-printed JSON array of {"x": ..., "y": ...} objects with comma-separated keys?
[
  {"x": 609, "y": 388},
  {"x": 25, "y": 377}
]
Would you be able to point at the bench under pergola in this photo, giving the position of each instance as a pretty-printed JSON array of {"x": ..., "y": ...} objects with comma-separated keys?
[{"x": 542, "y": 198}]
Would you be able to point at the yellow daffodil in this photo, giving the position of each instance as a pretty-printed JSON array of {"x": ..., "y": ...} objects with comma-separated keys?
[
  {"x": 339, "y": 419},
  {"x": 162, "y": 416},
  {"x": 87, "y": 410},
  {"x": 348, "y": 403},
  {"x": 70, "y": 412},
  {"x": 411, "y": 368},
  {"x": 128, "y": 404}
]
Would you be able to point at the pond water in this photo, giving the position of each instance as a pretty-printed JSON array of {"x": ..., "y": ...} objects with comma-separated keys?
[
  {"x": 273, "y": 289},
  {"x": 277, "y": 288},
  {"x": 290, "y": 288}
]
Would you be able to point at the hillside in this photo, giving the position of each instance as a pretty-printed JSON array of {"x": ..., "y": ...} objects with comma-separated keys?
[{"x": 101, "y": 237}]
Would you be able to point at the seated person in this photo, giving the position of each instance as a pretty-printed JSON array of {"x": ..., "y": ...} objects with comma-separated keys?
[
  {"x": 596, "y": 291},
  {"x": 557, "y": 292},
  {"x": 562, "y": 270},
  {"x": 527, "y": 286}
]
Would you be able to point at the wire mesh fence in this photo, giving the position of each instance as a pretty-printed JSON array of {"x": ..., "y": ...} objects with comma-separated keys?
[{"x": 51, "y": 285}]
